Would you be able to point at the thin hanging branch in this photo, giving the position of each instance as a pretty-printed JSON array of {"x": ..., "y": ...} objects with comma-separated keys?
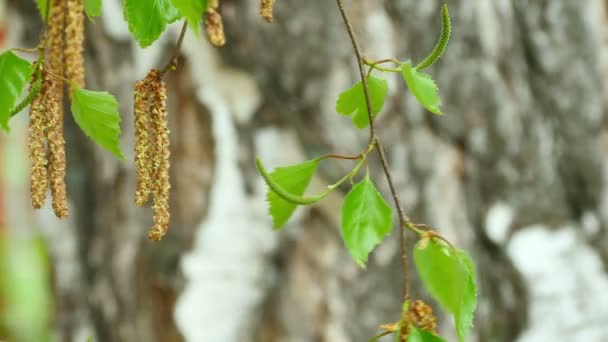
[
  {"x": 404, "y": 221},
  {"x": 173, "y": 61}
]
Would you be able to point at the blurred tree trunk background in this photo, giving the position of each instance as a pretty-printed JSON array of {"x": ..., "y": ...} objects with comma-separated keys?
[{"x": 515, "y": 172}]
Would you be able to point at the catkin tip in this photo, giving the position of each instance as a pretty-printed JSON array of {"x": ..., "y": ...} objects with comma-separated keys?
[
  {"x": 266, "y": 10},
  {"x": 214, "y": 28}
]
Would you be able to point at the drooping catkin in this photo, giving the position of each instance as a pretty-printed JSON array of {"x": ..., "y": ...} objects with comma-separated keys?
[
  {"x": 74, "y": 39},
  {"x": 143, "y": 162},
  {"x": 37, "y": 151},
  {"x": 214, "y": 28},
  {"x": 55, "y": 47},
  {"x": 266, "y": 10},
  {"x": 160, "y": 158},
  {"x": 52, "y": 99},
  {"x": 56, "y": 142}
]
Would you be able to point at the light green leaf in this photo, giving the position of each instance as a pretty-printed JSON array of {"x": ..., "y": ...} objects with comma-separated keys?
[
  {"x": 97, "y": 115},
  {"x": 42, "y": 8},
  {"x": 147, "y": 19},
  {"x": 465, "y": 315},
  {"x": 422, "y": 86},
  {"x": 448, "y": 275},
  {"x": 15, "y": 73},
  {"x": 352, "y": 102},
  {"x": 419, "y": 335},
  {"x": 366, "y": 220},
  {"x": 92, "y": 8},
  {"x": 293, "y": 180},
  {"x": 441, "y": 272},
  {"x": 192, "y": 10}
]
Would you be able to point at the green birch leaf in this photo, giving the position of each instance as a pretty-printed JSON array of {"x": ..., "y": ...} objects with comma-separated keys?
[
  {"x": 92, "y": 8},
  {"x": 419, "y": 335},
  {"x": 192, "y": 10},
  {"x": 352, "y": 102},
  {"x": 15, "y": 73},
  {"x": 97, "y": 115},
  {"x": 294, "y": 180},
  {"x": 441, "y": 272},
  {"x": 465, "y": 315},
  {"x": 148, "y": 19},
  {"x": 366, "y": 220},
  {"x": 449, "y": 276},
  {"x": 422, "y": 86}
]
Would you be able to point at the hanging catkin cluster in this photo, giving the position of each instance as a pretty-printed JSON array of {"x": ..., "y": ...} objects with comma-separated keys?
[
  {"x": 63, "y": 56},
  {"x": 152, "y": 150},
  {"x": 214, "y": 25}
]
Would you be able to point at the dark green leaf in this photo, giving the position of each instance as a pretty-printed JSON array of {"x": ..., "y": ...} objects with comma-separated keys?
[
  {"x": 97, "y": 115},
  {"x": 92, "y": 8},
  {"x": 15, "y": 73},
  {"x": 147, "y": 19},
  {"x": 422, "y": 86},
  {"x": 419, "y": 335},
  {"x": 352, "y": 102},
  {"x": 292, "y": 179},
  {"x": 192, "y": 10},
  {"x": 366, "y": 220}
]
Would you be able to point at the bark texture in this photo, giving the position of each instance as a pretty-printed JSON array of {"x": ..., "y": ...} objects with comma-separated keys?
[{"x": 515, "y": 172}]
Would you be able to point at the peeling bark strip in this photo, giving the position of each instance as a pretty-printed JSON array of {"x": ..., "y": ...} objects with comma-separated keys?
[
  {"x": 152, "y": 150},
  {"x": 74, "y": 39},
  {"x": 215, "y": 28}
]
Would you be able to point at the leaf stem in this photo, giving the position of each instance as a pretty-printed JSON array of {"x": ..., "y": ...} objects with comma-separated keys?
[
  {"x": 340, "y": 156},
  {"x": 375, "y": 64},
  {"x": 27, "y": 50},
  {"x": 172, "y": 64}
]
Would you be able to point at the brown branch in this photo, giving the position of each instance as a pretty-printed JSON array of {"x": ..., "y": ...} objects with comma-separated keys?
[
  {"x": 173, "y": 61},
  {"x": 404, "y": 221}
]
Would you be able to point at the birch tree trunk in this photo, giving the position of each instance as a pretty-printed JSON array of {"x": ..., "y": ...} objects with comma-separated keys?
[{"x": 515, "y": 172}]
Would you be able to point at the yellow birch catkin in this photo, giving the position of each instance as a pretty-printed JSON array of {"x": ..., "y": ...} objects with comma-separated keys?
[
  {"x": 56, "y": 142},
  {"x": 74, "y": 39},
  {"x": 37, "y": 151},
  {"x": 52, "y": 100},
  {"x": 266, "y": 10},
  {"x": 160, "y": 158},
  {"x": 214, "y": 28},
  {"x": 143, "y": 162}
]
